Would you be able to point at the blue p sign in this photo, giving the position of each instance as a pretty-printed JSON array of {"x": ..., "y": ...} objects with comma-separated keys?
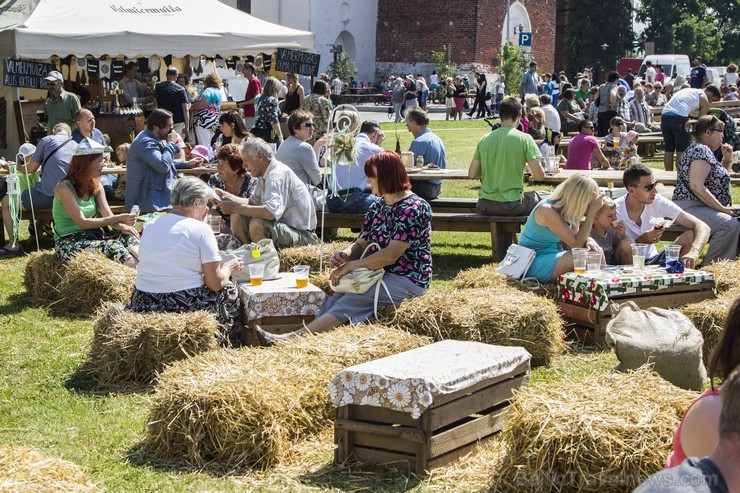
[{"x": 525, "y": 39}]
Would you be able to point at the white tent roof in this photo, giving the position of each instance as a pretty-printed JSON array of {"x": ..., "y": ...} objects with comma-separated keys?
[{"x": 41, "y": 28}]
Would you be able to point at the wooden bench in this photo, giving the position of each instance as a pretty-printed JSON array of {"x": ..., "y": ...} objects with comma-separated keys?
[
  {"x": 44, "y": 215},
  {"x": 503, "y": 229}
]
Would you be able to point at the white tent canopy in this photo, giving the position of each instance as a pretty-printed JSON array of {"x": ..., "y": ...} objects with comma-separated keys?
[{"x": 40, "y": 28}]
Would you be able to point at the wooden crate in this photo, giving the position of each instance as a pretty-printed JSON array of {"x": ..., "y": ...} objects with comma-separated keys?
[
  {"x": 448, "y": 429},
  {"x": 589, "y": 325},
  {"x": 273, "y": 325}
]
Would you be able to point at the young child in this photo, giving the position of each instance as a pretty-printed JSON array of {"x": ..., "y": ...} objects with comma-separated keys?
[
  {"x": 121, "y": 154},
  {"x": 607, "y": 231},
  {"x": 731, "y": 94},
  {"x": 630, "y": 150}
]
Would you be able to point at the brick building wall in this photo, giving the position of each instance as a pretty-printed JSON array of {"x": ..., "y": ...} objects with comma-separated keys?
[{"x": 408, "y": 32}]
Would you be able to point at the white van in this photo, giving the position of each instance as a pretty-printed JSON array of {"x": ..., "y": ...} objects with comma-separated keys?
[{"x": 673, "y": 65}]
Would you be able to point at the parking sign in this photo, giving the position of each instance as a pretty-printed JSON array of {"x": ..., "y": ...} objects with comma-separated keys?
[{"x": 525, "y": 39}]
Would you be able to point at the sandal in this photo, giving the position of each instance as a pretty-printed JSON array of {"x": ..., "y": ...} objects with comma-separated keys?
[
  {"x": 4, "y": 252},
  {"x": 265, "y": 338}
]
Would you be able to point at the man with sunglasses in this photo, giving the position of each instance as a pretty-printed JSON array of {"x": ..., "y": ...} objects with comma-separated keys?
[
  {"x": 642, "y": 203},
  {"x": 61, "y": 106},
  {"x": 583, "y": 146}
]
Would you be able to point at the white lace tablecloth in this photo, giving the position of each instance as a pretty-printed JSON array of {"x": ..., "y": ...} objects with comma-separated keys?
[
  {"x": 409, "y": 381},
  {"x": 280, "y": 298}
]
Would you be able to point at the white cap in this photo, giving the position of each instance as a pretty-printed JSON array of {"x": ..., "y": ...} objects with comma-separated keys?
[
  {"x": 87, "y": 147},
  {"x": 26, "y": 149}
]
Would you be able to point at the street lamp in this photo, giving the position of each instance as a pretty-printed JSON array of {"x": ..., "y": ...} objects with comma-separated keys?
[{"x": 604, "y": 47}]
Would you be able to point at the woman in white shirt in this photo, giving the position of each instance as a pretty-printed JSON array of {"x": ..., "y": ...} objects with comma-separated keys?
[{"x": 179, "y": 264}]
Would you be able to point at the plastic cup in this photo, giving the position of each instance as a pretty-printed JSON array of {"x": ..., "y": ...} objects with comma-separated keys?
[
  {"x": 579, "y": 260},
  {"x": 256, "y": 273},
  {"x": 301, "y": 275},
  {"x": 215, "y": 221},
  {"x": 593, "y": 261},
  {"x": 672, "y": 252},
  {"x": 638, "y": 255}
]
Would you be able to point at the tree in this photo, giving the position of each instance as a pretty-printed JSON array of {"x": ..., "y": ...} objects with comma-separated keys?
[
  {"x": 513, "y": 65},
  {"x": 343, "y": 66},
  {"x": 444, "y": 67},
  {"x": 593, "y": 23}
]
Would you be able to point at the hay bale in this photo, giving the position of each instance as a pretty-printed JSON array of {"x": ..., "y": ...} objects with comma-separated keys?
[
  {"x": 132, "y": 348},
  {"x": 709, "y": 317},
  {"x": 321, "y": 281},
  {"x": 726, "y": 274},
  {"x": 604, "y": 433},
  {"x": 26, "y": 470},
  {"x": 503, "y": 316},
  {"x": 91, "y": 280},
  {"x": 247, "y": 407},
  {"x": 487, "y": 277},
  {"x": 43, "y": 275},
  {"x": 309, "y": 255}
]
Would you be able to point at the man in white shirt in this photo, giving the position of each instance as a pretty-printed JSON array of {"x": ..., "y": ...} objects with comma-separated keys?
[
  {"x": 281, "y": 207},
  {"x": 640, "y": 205},
  {"x": 552, "y": 117},
  {"x": 348, "y": 184},
  {"x": 649, "y": 72},
  {"x": 336, "y": 90}
]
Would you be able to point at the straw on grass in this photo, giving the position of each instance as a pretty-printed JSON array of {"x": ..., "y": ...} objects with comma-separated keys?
[
  {"x": 726, "y": 275},
  {"x": 132, "y": 348},
  {"x": 43, "y": 275},
  {"x": 487, "y": 277},
  {"x": 309, "y": 255},
  {"x": 91, "y": 280},
  {"x": 25, "y": 470},
  {"x": 709, "y": 317},
  {"x": 232, "y": 409},
  {"x": 602, "y": 434},
  {"x": 503, "y": 316}
]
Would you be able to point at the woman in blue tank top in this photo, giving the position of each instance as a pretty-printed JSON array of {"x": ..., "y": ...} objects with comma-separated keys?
[{"x": 557, "y": 220}]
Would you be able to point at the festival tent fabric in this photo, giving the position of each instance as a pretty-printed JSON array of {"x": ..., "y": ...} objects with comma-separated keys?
[{"x": 37, "y": 29}]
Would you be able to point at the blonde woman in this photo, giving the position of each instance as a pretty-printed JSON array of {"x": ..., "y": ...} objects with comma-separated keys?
[
  {"x": 267, "y": 126},
  {"x": 294, "y": 98},
  {"x": 558, "y": 219},
  {"x": 206, "y": 109}
]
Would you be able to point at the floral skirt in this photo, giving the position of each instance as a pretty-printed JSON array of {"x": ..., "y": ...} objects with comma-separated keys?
[
  {"x": 224, "y": 303},
  {"x": 114, "y": 247}
]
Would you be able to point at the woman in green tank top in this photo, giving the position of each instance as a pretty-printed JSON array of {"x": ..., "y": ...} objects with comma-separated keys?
[{"x": 81, "y": 211}]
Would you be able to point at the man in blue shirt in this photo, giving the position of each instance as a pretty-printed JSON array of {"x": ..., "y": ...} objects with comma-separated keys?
[
  {"x": 430, "y": 147},
  {"x": 530, "y": 81},
  {"x": 698, "y": 78},
  {"x": 151, "y": 167}
]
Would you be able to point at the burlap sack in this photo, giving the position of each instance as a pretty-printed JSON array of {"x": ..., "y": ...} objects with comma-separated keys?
[{"x": 664, "y": 338}]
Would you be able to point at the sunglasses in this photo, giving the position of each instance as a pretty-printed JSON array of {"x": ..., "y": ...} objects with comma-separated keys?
[
  {"x": 650, "y": 186},
  {"x": 309, "y": 124}
]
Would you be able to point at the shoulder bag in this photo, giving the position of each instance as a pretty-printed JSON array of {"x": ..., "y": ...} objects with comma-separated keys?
[
  {"x": 517, "y": 261},
  {"x": 267, "y": 256},
  {"x": 359, "y": 281}
]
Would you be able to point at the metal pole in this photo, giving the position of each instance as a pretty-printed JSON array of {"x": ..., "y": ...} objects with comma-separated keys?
[{"x": 508, "y": 15}]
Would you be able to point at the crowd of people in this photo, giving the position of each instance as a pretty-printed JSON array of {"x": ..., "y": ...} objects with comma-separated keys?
[{"x": 266, "y": 182}]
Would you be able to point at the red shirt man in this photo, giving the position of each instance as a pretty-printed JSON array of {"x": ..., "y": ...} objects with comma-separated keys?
[{"x": 254, "y": 89}]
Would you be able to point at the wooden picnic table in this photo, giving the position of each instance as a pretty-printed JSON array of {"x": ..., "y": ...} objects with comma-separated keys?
[{"x": 614, "y": 177}]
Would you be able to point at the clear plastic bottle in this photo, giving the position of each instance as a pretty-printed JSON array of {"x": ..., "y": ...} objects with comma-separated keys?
[
  {"x": 419, "y": 162},
  {"x": 135, "y": 210}
]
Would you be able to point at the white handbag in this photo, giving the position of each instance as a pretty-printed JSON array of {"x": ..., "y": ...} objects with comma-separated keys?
[
  {"x": 359, "y": 281},
  {"x": 517, "y": 261}
]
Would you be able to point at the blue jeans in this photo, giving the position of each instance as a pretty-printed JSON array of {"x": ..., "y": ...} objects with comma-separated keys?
[{"x": 355, "y": 203}]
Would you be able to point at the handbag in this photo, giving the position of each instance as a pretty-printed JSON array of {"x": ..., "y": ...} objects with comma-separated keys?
[
  {"x": 262, "y": 252},
  {"x": 517, "y": 261},
  {"x": 359, "y": 281}
]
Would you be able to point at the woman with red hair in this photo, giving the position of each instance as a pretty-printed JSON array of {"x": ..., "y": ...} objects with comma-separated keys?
[
  {"x": 400, "y": 223},
  {"x": 81, "y": 212}
]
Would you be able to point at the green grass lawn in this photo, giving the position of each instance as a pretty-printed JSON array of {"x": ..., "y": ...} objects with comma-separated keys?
[{"x": 45, "y": 405}]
